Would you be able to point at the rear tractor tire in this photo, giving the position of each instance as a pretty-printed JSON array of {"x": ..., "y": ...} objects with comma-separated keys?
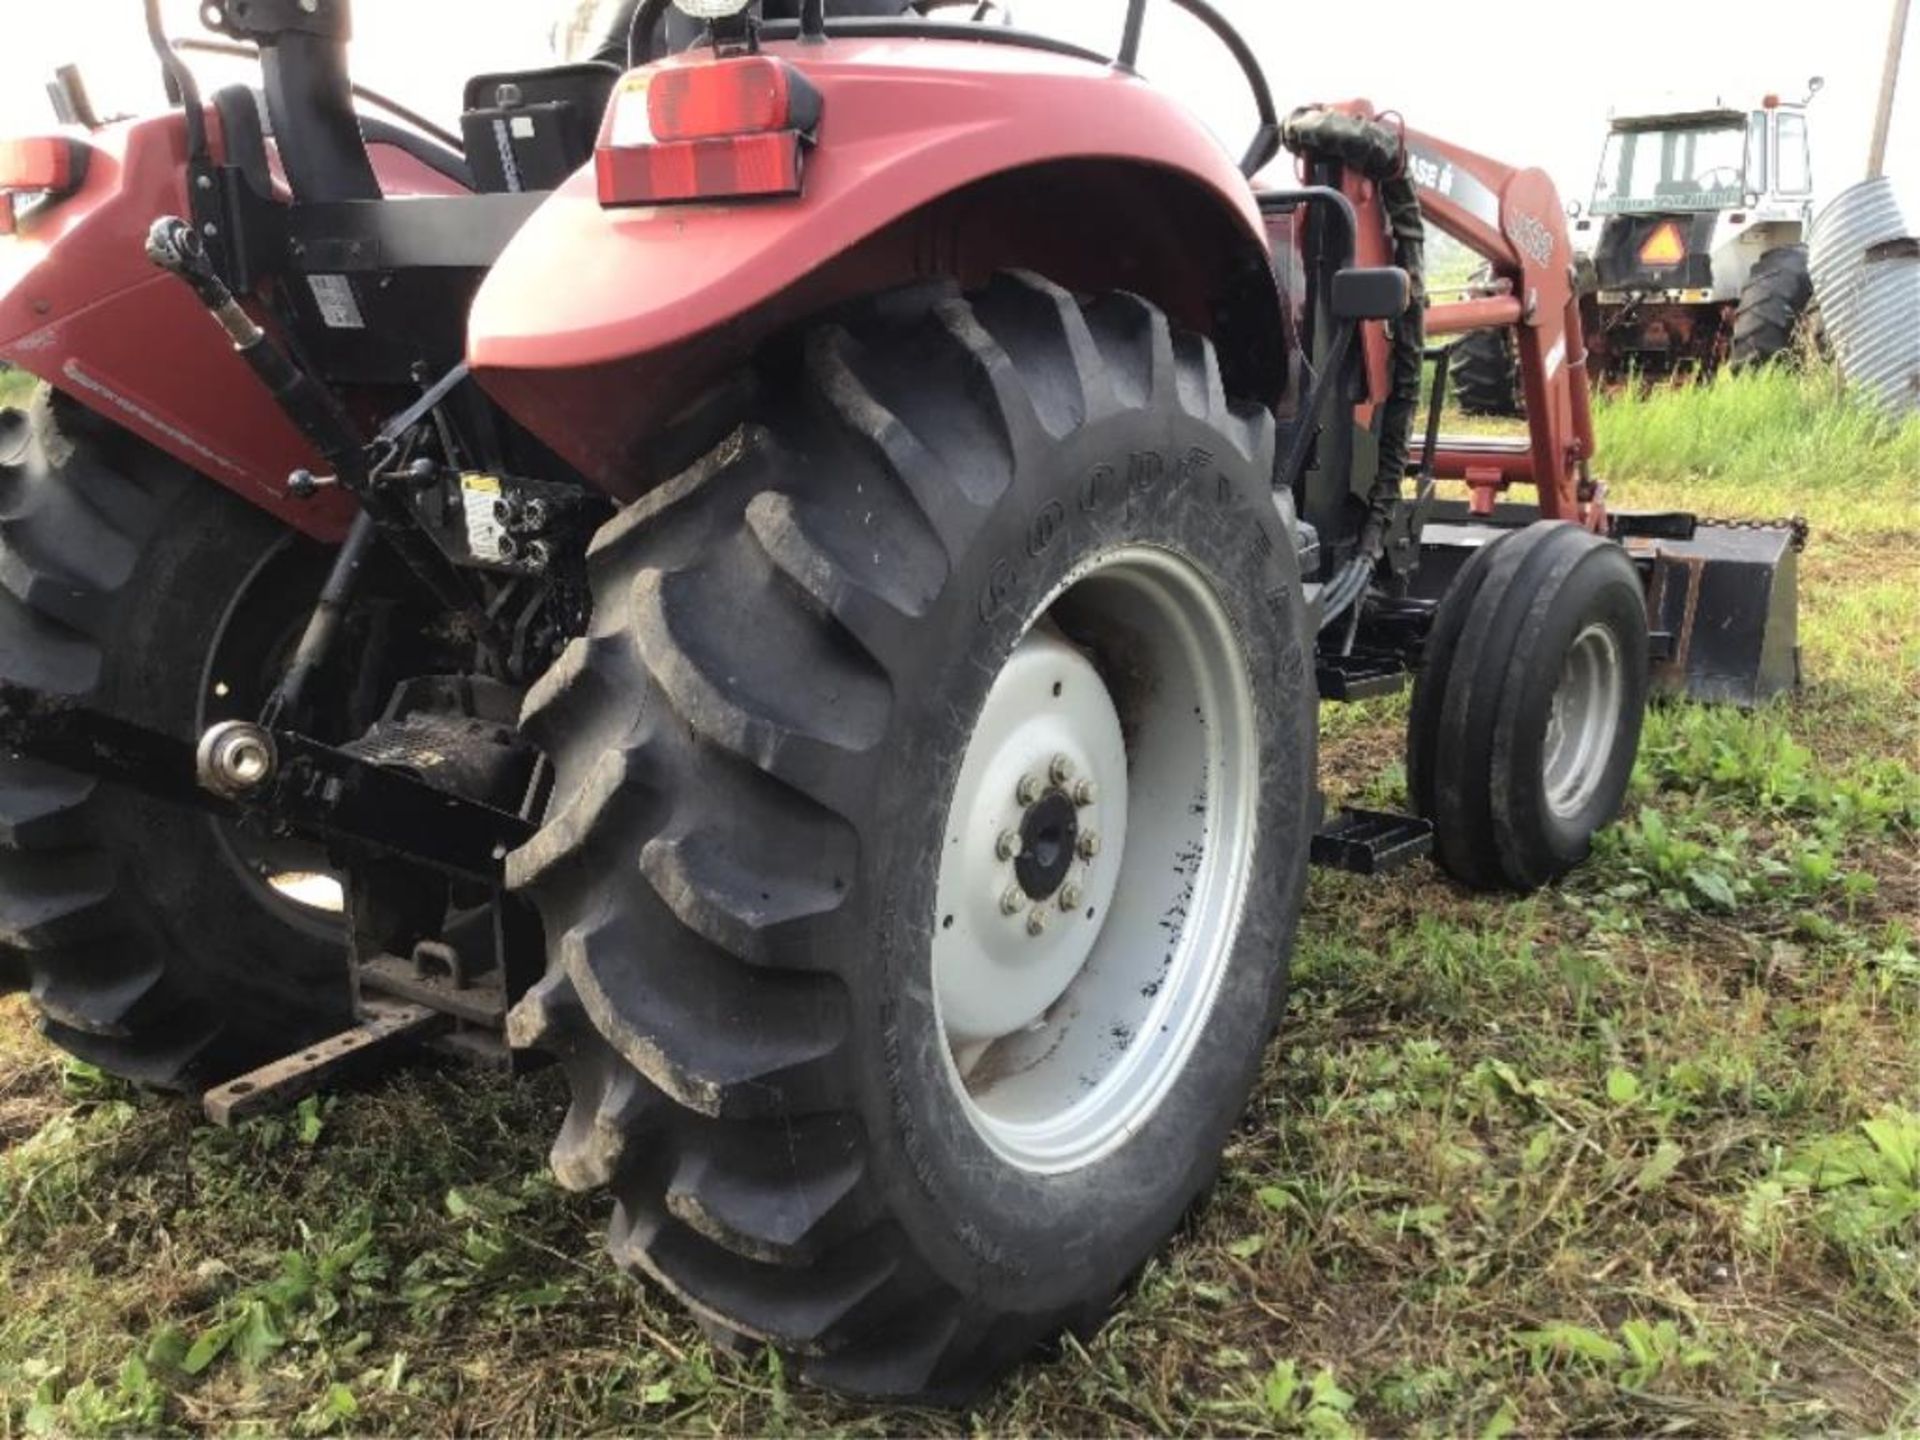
[
  {"x": 1485, "y": 375},
  {"x": 932, "y": 807},
  {"x": 1774, "y": 306},
  {"x": 1527, "y": 711},
  {"x": 149, "y": 944}
]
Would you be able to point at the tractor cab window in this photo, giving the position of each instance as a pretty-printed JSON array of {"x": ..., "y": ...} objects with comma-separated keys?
[
  {"x": 1687, "y": 167},
  {"x": 1796, "y": 170},
  {"x": 1757, "y": 171}
]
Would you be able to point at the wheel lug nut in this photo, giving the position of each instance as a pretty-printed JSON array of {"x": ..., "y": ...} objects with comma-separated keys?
[
  {"x": 1008, "y": 845},
  {"x": 1085, "y": 793},
  {"x": 1089, "y": 844},
  {"x": 1070, "y": 897},
  {"x": 1032, "y": 787},
  {"x": 1061, "y": 770},
  {"x": 1037, "y": 922},
  {"x": 1013, "y": 901}
]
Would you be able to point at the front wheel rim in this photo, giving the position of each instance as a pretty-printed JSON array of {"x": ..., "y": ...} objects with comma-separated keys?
[
  {"x": 1119, "y": 737},
  {"x": 1583, "y": 721}
]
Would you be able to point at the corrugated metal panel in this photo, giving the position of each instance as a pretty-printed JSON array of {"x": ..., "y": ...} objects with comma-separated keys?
[{"x": 1865, "y": 257}]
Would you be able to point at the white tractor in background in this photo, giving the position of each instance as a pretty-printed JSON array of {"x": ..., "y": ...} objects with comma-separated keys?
[{"x": 1692, "y": 251}]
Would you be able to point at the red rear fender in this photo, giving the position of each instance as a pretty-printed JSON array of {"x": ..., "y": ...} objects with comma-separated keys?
[{"x": 935, "y": 159}]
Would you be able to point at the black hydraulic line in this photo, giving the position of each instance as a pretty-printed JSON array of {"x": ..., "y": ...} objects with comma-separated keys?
[
  {"x": 1377, "y": 152},
  {"x": 431, "y": 400},
  {"x": 175, "y": 246}
]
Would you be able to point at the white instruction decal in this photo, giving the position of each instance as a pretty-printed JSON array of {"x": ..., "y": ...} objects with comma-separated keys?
[
  {"x": 479, "y": 494},
  {"x": 334, "y": 295}
]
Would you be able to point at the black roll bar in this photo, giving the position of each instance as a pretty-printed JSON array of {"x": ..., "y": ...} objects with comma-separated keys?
[{"x": 814, "y": 25}]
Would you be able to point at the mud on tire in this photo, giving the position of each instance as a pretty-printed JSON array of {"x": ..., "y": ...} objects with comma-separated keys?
[
  {"x": 754, "y": 750},
  {"x": 146, "y": 948}
]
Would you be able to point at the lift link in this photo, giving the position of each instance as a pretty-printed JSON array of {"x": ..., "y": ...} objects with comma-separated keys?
[
  {"x": 285, "y": 779},
  {"x": 176, "y": 247}
]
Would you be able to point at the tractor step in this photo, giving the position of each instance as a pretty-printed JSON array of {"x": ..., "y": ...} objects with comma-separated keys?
[
  {"x": 388, "y": 1033},
  {"x": 1346, "y": 678},
  {"x": 1372, "y": 842}
]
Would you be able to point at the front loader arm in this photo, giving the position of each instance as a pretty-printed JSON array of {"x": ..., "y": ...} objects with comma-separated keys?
[{"x": 1514, "y": 219}]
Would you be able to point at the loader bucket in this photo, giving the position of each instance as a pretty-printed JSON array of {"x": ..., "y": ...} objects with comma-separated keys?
[
  {"x": 1724, "y": 609},
  {"x": 1723, "y": 600}
]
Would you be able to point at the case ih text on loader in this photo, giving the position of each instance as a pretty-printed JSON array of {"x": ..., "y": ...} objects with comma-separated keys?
[{"x": 796, "y": 581}]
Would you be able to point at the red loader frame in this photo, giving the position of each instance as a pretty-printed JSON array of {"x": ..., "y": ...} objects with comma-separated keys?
[{"x": 1513, "y": 218}]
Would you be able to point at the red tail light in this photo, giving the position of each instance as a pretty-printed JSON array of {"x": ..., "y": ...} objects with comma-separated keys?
[
  {"x": 734, "y": 97},
  {"x": 739, "y": 166},
  {"x": 41, "y": 166},
  {"x": 729, "y": 129}
]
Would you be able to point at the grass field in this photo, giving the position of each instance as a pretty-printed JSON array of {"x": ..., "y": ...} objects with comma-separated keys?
[{"x": 1638, "y": 1155}]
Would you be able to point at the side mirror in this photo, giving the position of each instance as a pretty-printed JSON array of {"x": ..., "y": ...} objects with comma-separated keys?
[
  {"x": 1815, "y": 85},
  {"x": 1362, "y": 293}
]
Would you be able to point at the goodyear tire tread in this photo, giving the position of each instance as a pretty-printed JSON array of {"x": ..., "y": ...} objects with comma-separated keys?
[{"x": 750, "y": 620}]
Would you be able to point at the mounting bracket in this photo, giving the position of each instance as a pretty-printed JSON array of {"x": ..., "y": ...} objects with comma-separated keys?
[{"x": 265, "y": 21}]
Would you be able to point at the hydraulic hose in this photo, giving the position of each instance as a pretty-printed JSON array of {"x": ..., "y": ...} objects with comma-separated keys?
[{"x": 1377, "y": 152}]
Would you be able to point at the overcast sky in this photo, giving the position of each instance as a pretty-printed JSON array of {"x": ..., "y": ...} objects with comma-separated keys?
[{"x": 1526, "y": 81}]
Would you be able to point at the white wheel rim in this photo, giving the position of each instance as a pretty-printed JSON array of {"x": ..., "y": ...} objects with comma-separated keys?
[
  {"x": 1068, "y": 1016},
  {"x": 1584, "y": 721}
]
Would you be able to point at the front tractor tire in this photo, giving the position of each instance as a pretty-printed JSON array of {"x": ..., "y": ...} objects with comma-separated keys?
[
  {"x": 931, "y": 816},
  {"x": 1527, "y": 710},
  {"x": 150, "y": 945}
]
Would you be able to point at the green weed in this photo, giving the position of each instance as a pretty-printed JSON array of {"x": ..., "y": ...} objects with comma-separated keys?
[
  {"x": 1773, "y": 440},
  {"x": 16, "y": 386}
]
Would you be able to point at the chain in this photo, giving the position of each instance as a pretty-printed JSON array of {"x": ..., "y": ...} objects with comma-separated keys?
[{"x": 1796, "y": 525}]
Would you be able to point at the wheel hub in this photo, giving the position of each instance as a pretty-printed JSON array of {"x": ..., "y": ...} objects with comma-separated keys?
[
  {"x": 1583, "y": 721},
  {"x": 1007, "y": 943},
  {"x": 1049, "y": 845},
  {"x": 1094, "y": 872}
]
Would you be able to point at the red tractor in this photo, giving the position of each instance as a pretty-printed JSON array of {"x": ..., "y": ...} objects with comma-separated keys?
[{"x": 793, "y": 577}]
